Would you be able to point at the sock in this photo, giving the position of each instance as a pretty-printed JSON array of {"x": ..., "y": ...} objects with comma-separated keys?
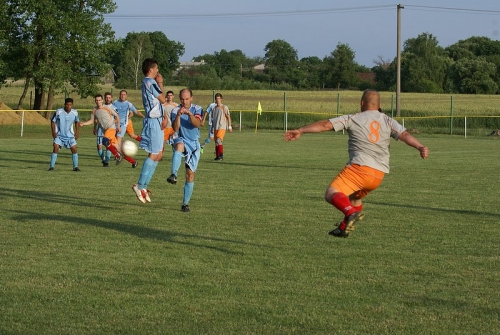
[
  {"x": 147, "y": 171},
  {"x": 217, "y": 150},
  {"x": 108, "y": 156},
  {"x": 358, "y": 208},
  {"x": 138, "y": 138},
  {"x": 221, "y": 150},
  {"x": 129, "y": 159},
  {"x": 100, "y": 153},
  {"x": 53, "y": 159},
  {"x": 207, "y": 140},
  {"x": 188, "y": 191},
  {"x": 113, "y": 150},
  {"x": 342, "y": 203},
  {"x": 176, "y": 162},
  {"x": 74, "y": 157}
]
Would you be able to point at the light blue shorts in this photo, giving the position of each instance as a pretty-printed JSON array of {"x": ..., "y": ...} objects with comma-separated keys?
[
  {"x": 123, "y": 128},
  {"x": 152, "y": 136},
  {"x": 99, "y": 135},
  {"x": 191, "y": 152},
  {"x": 66, "y": 142}
]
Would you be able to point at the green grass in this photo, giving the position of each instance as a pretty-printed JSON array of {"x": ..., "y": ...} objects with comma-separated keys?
[{"x": 83, "y": 256}]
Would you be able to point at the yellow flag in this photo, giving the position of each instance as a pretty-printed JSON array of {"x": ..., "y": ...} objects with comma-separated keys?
[{"x": 259, "y": 109}]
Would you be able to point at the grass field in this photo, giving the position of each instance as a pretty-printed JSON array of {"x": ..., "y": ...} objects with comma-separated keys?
[{"x": 80, "y": 254}]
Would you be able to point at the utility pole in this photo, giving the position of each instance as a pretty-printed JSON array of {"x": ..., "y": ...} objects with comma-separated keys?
[{"x": 398, "y": 69}]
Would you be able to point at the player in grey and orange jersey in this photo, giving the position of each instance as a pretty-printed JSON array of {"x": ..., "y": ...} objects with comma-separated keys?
[{"x": 369, "y": 137}]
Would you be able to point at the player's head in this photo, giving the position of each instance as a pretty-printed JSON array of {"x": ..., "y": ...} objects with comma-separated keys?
[
  {"x": 370, "y": 100},
  {"x": 68, "y": 104},
  {"x": 186, "y": 96},
  {"x": 123, "y": 95},
  {"x": 108, "y": 98},
  {"x": 218, "y": 95},
  {"x": 170, "y": 96},
  {"x": 98, "y": 99},
  {"x": 149, "y": 64}
]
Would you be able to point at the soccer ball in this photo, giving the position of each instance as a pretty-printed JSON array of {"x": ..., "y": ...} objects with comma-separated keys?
[{"x": 129, "y": 148}]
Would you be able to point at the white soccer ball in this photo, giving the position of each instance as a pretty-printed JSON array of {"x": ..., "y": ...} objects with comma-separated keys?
[{"x": 129, "y": 148}]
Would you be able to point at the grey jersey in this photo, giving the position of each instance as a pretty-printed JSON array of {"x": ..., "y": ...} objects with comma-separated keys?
[
  {"x": 370, "y": 134},
  {"x": 219, "y": 117},
  {"x": 105, "y": 118}
]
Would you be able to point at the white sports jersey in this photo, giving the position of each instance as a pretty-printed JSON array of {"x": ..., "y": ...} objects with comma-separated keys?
[{"x": 370, "y": 133}]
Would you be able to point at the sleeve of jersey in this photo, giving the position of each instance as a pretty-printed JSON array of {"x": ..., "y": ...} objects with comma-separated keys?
[
  {"x": 198, "y": 113},
  {"x": 340, "y": 122},
  {"x": 396, "y": 128}
]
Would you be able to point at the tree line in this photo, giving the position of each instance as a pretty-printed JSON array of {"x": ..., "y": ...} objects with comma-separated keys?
[{"x": 52, "y": 43}]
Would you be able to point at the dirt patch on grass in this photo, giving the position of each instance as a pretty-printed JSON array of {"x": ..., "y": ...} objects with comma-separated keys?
[{"x": 15, "y": 117}]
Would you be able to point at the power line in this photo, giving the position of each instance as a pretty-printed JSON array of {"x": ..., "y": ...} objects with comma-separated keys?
[
  {"x": 298, "y": 12},
  {"x": 251, "y": 14},
  {"x": 451, "y": 9}
]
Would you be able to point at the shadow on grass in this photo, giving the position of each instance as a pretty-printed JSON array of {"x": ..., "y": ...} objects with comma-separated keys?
[
  {"x": 50, "y": 197},
  {"x": 457, "y": 211},
  {"x": 138, "y": 231}
]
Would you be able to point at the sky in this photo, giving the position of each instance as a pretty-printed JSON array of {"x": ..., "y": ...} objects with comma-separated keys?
[{"x": 313, "y": 28}]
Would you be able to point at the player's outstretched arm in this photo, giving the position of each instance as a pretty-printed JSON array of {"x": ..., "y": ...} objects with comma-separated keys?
[
  {"x": 316, "y": 127},
  {"x": 410, "y": 140}
]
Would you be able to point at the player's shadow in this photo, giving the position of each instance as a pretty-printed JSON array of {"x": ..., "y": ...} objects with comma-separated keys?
[
  {"x": 138, "y": 231},
  {"x": 51, "y": 198},
  {"x": 456, "y": 211}
]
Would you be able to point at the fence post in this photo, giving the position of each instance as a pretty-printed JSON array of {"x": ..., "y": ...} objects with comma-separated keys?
[
  {"x": 465, "y": 126},
  {"x": 451, "y": 116},
  {"x": 285, "y": 116},
  {"x": 392, "y": 105},
  {"x": 338, "y": 103},
  {"x": 22, "y": 123}
]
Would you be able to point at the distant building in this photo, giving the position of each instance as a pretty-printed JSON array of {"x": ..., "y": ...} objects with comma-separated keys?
[
  {"x": 259, "y": 68},
  {"x": 187, "y": 65}
]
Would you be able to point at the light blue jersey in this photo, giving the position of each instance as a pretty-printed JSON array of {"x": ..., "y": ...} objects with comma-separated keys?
[
  {"x": 152, "y": 134},
  {"x": 123, "y": 108},
  {"x": 150, "y": 92},
  {"x": 187, "y": 130},
  {"x": 65, "y": 122}
]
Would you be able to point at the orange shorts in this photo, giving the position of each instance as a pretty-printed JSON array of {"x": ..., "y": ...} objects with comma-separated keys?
[
  {"x": 111, "y": 135},
  {"x": 130, "y": 127},
  {"x": 357, "y": 180},
  {"x": 167, "y": 133},
  {"x": 220, "y": 133}
]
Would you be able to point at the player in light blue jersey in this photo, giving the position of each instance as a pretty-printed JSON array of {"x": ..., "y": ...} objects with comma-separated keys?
[
  {"x": 208, "y": 113},
  {"x": 186, "y": 120},
  {"x": 64, "y": 124},
  {"x": 125, "y": 110},
  {"x": 153, "y": 124}
]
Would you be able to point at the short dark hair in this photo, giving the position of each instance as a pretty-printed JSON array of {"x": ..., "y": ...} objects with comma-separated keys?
[
  {"x": 218, "y": 95},
  {"x": 170, "y": 92},
  {"x": 148, "y": 64},
  {"x": 68, "y": 100}
]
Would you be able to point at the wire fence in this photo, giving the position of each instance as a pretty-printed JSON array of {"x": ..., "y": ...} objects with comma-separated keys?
[{"x": 253, "y": 120}]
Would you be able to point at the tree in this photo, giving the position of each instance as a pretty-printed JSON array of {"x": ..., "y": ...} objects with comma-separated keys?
[
  {"x": 340, "y": 67},
  {"x": 311, "y": 68},
  {"x": 474, "y": 76},
  {"x": 281, "y": 61},
  {"x": 385, "y": 74},
  {"x": 136, "y": 48},
  {"x": 423, "y": 65},
  {"x": 53, "y": 42},
  {"x": 166, "y": 53}
]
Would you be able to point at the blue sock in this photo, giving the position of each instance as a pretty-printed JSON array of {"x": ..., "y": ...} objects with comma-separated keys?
[
  {"x": 108, "y": 156},
  {"x": 147, "y": 171},
  {"x": 188, "y": 191},
  {"x": 207, "y": 140},
  {"x": 176, "y": 161},
  {"x": 100, "y": 153},
  {"x": 74, "y": 157},
  {"x": 53, "y": 159}
]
